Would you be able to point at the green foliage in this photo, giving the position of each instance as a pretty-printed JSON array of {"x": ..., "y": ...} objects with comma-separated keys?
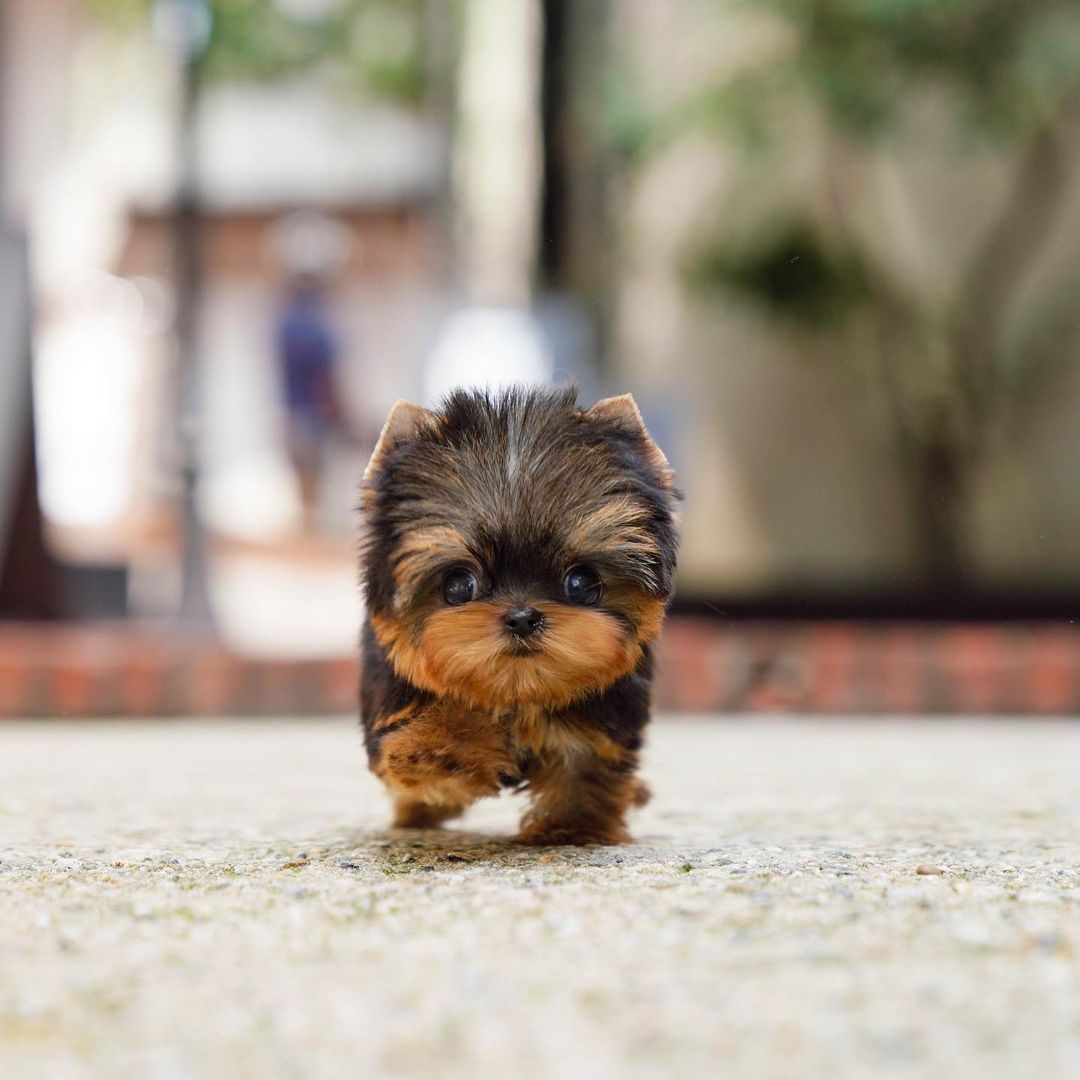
[
  {"x": 789, "y": 272},
  {"x": 1007, "y": 70},
  {"x": 746, "y": 106},
  {"x": 375, "y": 44},
  {"x": 1008, "y": 64},
  {"x": 386, "y": 51},
  {"x": 628, "y": 123},
  {"x": 118, "y": 13},
  {"x": 952, "y": 368}
]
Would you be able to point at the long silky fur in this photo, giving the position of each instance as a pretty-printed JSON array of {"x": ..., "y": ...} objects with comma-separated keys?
[{"x": 518, "y": 486}]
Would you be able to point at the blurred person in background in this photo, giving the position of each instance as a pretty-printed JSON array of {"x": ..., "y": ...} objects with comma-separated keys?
[{"x": 307, "y": 351}]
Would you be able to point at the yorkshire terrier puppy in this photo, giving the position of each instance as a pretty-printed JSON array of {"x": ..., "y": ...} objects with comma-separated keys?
[{"x": 518, "y": 557}]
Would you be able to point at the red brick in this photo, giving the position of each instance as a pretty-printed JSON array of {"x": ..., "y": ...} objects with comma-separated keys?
[
  {"x": 833, "y": 651},
  {"x": 973, "y": 661},
  {"x": 73, "y": 689},
  {"x": 896, "y": 670},
  {"x": 688, "y": 679},
  {"x": 778, "y": 672},
  {"x": 703, "y": 665},
  {"x": 341, "y": 684},
  {"x": 14, "y": 686},
  {"x": 212, "y": 683},
  {"x": 1052, "y": 684}
]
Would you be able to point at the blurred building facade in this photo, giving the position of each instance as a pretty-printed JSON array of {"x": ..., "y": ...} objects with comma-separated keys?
[
  {"x": 966, "y": 216},
  {"x": 565, "y": 162}
]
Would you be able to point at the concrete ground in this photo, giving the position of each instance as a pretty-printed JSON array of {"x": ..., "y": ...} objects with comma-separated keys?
[{"x": 806, "y": 899}]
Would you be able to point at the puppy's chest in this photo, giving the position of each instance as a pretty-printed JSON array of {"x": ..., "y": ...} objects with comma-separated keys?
[{"x": 539, "y": 734}]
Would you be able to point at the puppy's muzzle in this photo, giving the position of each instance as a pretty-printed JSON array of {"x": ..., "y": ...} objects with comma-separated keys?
[{"x": 523, "y": 622}]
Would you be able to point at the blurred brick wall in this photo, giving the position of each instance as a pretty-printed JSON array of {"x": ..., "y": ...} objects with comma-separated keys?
[
  {"x": 848, "y": 667},
  {"x": 703, "y": 666}
]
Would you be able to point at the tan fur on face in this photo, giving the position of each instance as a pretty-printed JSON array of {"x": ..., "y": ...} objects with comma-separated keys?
[
  {"x": 463, "y": 652},
  {"x": 646, "y": 612}
]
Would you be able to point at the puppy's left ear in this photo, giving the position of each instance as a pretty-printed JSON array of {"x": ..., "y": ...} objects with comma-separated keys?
[
  {"x": 623, "y": 411},
  {"x": 405, "y": 421}
]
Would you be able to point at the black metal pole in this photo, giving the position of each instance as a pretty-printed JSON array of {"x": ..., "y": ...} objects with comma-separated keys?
[
  {"x": 577, "y": 244},
  {"x": 555, "y": 190},
  {"x": 29, "y": 576},
  {"x": 187, "y": 261}
]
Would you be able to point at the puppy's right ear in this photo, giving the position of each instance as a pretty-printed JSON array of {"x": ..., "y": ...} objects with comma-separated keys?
[
  {"x": 403, "y": 423},
  {"x": 623, "y": 410}
]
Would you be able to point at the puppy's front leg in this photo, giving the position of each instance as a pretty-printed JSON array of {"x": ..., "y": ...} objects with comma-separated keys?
[
  {"x": 437, "y": 760},
  {"x": 583, "y": 799}
]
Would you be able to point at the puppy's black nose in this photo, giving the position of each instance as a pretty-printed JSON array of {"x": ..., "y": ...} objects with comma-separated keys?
[{"x": 524, "y": 621}]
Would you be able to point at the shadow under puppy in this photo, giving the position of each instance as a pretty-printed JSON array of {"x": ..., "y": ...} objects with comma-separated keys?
[{"x": 518, "y": 557}]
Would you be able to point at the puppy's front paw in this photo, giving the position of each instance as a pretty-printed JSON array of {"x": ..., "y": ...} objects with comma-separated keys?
[
  {"x": 437, "y": 765},
  {"x": 412, "y": 814},
  {"x": 566, "y": 834},
  {"x": 437, "y": 776}
]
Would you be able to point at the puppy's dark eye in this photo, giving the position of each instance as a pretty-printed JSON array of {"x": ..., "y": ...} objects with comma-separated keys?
[
  {"x": 459, "y": 587},
  {"x": 583, "y": 586}
]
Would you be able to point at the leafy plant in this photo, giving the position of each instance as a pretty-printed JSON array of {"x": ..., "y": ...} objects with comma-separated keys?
[
  {"x": 375, "y": 43},
  {"x": 959, "y": 368}
]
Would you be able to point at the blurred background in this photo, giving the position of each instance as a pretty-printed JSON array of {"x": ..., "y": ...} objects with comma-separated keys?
[{"x": 831, "y": 246}]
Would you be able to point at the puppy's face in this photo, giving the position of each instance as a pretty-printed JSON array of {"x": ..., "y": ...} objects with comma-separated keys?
[{"x": 518, "y": 549}]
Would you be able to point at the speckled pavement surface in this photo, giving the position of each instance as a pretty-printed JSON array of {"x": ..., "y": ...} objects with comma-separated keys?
[{"x": 221, "y": 900}]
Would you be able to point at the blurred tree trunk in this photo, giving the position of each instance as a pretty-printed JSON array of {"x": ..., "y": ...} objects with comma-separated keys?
[
  {"x": 29, "y": 577},
  {"x": 944, "y": 424},
  {"x": 29, "y": 586},
  {"x": 940, "y": 487},
  {"x": 439, "y": 31},
  {"x": 575, "y": 250},
  {"x": 955, "y": 440},
  {"x": 555, "y": 137},
  {"x": 1028, "y": 220},
  {"x": 187, "y": 267},
  {"x": 497, "y": 150}
]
